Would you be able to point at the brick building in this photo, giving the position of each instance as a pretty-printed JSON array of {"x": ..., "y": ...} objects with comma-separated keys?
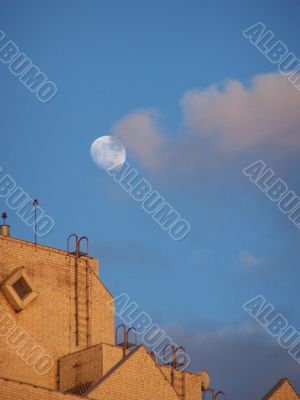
[{"x": 57, "y": 334}]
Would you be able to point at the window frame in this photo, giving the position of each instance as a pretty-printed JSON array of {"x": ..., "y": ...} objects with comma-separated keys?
[{"x": 11, "y": 294}]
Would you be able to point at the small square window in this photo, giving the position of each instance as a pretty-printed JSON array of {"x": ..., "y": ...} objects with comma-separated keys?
[
  {"x": 22, "y": 288},
  {"x": 18, "y": 289}
]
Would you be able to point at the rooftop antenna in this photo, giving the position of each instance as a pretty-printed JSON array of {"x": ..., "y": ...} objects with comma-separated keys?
[
  {"x": 4, "y": 217},
  {"x": 35, "y": 203}
]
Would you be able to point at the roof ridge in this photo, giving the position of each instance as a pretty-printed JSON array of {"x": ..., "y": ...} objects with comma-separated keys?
[{"x": 292, "y": 386}]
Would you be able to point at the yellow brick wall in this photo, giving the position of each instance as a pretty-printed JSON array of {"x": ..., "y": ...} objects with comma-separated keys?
[
  {"x": 184, "y": 382},
  {"x": 87, "y": 365},
  {"x": 137, "y": 378},
  {"x": 80, "y": 368},
  {"x": 50, "y": 318},
  {"x": 111, "y": 356},
  {"x": 192, "y": 386},
  {"x": 284, "y": 392},
  {"x": 12, "y": 390}
]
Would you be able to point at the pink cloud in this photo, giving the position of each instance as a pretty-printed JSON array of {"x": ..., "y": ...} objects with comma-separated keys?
[
  {"x": 140, "y": 134},
  {"x": 244, "y": 118},
  {"x": 221, "y": 124}
]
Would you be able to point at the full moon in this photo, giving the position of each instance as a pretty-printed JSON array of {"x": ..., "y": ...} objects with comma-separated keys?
[{"x": 108, "y": 152}]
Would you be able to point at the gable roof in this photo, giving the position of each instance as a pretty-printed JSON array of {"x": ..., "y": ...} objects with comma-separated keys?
[
  {"x": 282, "y": 389},
  {"x": 135, "y": 373}
]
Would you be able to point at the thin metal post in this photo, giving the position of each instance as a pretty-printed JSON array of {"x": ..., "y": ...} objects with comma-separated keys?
[{"x": 35, "y": 204}]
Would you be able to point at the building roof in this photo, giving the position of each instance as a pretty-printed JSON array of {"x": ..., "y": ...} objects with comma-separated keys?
[
  {"x": 138, "y": 374},
  {"x": 282, "y": 390}
]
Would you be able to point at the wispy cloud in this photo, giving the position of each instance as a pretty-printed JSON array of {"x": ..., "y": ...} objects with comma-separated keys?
[
  {"x": 130, "y": 255},
  {"x": 249, "y": 260}
]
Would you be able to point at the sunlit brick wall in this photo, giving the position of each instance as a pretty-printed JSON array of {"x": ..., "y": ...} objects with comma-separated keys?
[
  {"x": 284, "y": 392},
  {"x": 138, "y": 378},
  {"x": 12, "y": 390},
  {"x": 50, "y": 318},
  {"x": 184, "y": 382}
]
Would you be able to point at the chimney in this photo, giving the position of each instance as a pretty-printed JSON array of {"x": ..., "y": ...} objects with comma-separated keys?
[{"x": 4, "y": 228}]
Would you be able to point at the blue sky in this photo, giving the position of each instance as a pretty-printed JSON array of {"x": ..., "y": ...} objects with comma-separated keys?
[{"x": 114, "y": 61}]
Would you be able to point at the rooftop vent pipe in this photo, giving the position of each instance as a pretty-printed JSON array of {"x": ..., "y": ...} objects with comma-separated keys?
[{"x": 4, "y": 228}]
